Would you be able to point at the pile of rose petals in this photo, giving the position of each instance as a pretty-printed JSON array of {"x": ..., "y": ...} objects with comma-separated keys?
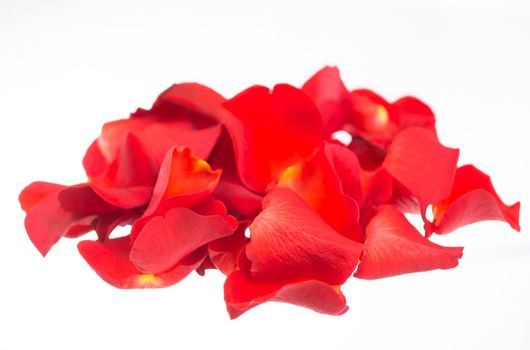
[{"x": 197, "y": 174}]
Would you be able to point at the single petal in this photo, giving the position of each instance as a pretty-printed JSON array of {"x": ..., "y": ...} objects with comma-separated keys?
[
  {"x": 377, "y": 188},
  {"x": 413, "y": 112},
  {"x": 261, "y": 125},
  {"x": 165, "y": 240},
  {"x": 472, "y": 199},
  {"x": 191, "y": 96},
  {"x": 288, "y": 239},
  {"x": 331, "y": 98},
  {"x": 393, "y": 247},
  {"x": 425, "y": 167},
  {"x": 32, "y": 194},
  {"x": 110, "y": 260},
  {"x": 372, "y": 114},
  {"x": 82, "y": 199},
  {"x": 317, "y": 182},
  {"x": 243, "y": 293}
]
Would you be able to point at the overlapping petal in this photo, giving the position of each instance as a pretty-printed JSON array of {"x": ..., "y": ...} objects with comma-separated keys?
[
  {"x": 393, "y": 247},
  {"x": 261, "y": 124},
  {"x": 472, "y": 199}
]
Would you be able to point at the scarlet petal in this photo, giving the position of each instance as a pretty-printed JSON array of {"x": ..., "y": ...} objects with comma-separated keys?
[
  {"x": 331, "y": 97},
  {"x": 472, "y": 199},
  {"x": 184, "y": 180},
  {"x": 32, "y": 194},
  {"x": 46, "y": 220},
  {"x": 110, "y": 260},
  {"x": 259, "y": 116},
  {"x": 288, "y": 239},
  {"x": 413, "y": 112},
  {"x": 393, "y": 247},
  {"x": 192, "y": 96},
  {"x": 318, "y": 183},
  {"x": 243, "y": 293},
  {"x": 223, "y": 252},
  {"x": 165, "y": 240},
  {"x": 418, "y": 161}
]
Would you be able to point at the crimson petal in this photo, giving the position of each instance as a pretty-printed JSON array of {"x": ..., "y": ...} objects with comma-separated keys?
[
  {"x": 243, "y": 293},
  {"x": 288, "y": 239},
  {"x": 393, "y": 247},
  {"x": 110, "y": 260},
  {"x": 425, "y": 167},
  {"x": 472, "y": 199},
  {"x": 165, "y": 240},
  {"x": 259, "y": 116}
]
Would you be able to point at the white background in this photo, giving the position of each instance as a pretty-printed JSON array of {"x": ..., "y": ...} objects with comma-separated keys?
[{"x": 66, "y": 67}]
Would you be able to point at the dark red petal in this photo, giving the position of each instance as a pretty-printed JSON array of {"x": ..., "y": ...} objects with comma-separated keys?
[
  {"x": 413, "y": 112},
  {"x": 110, "y": 260},
  {"x": 192, "y": 96},
  {"x": 223, "y": 252},
  {"x": 393, "y": 247},
  {"x": 238, "y": 199},
  {"x": 418, "y": 161},
  {"x": 165, "y": 240},
  {"x": 243, "y": 293},
  {"x": 472, "y": 199},
  {"x": 288, "y": 239},
  {"x": 370, "y": 156},
  {"x": 46, "y": 221},
  {"x": 82, "y": 199},
  {"x": 261, "y": 125},
  {"x": 330, "y": 96},
  {"x": 317, "y": 182},
  {"x": 32, "y": 194}
]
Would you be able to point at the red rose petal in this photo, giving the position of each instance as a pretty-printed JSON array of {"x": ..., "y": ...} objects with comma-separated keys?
[
  {"x": 110, "y": 260},
  {"x": 472, "y": 199},
  {"x": 317, "y": 182},
  {"x": 32, "y": 194},
  {"x": 243, "y": 293},
  {"x": 46, "y": 221},
  {"x": 223, "y": 252},
  {"x": 184, "y": 180},
  {"x": 331, "y": 97},
  {"x": 393, "y": 247},
  {"x": 192, "y": 96},
  {"x": 418, "y": 161},
  {"x": 413, "y": 112},
  {"x": 288, "y": 239},
  {"x": 165, "y": 240},
  {"x": 261, "y": 125}
]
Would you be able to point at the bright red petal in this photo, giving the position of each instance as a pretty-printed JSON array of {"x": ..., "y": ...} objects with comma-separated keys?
[
  {"x": 243, "y": 293},
  {"x": 318, "y": 183},
  {"x": 184, "y": 181},
  {"x": 418, "y": 161},
  {"x": 110, "y": 260},
  {"x": 32, "y": 194},
  {"x": 331, "y": 97},
  {"x": 288, "y": 239},
  {"x": 472, "y": 199},
  {"x": 393, "y": 247},
  {"x": 165, "y": 240},
  {"x": 413, "y": 112},
  {"x": 261, "y": 125}
]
